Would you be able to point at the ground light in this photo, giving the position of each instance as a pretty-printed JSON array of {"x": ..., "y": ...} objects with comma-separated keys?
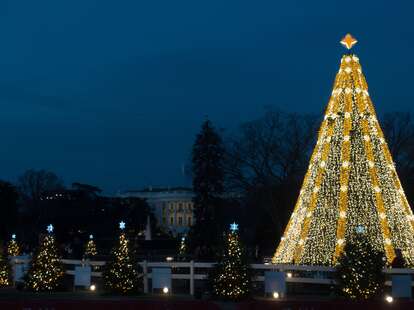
[
  {"x": 276, "y": 295},
  {"x": 92, "y": 287},
  {"x": 389, "y": 299},
  {"x": 165, "y": 290},
  {"x": 289, "y": 274}
]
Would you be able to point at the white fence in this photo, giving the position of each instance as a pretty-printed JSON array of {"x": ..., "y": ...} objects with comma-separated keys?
[{"x": 294, "y": 273}]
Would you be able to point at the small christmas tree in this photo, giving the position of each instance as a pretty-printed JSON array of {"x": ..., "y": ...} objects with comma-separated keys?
[
  {"x": 120, "y": 274},
  {"x": 359, "y": 273},
  {"x": 182, "y": 250},
  {"x": 13, "y": 248},
  {"x": 5, "y": 271},
  {"x": 46, "y": 271},
  {"x": 231, "y": 277},
  {"x": 90, "y": 248}
]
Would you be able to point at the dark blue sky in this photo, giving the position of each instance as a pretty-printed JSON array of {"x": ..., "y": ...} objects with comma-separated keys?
[{"x": 112, "y": 92}]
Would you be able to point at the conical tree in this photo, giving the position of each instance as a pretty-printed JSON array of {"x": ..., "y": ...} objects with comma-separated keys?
[
  {"x": 46, "y": 270},
  {"x": 90, "y": 248},
  {"x": 359, "y": 270},
  {"x": 208, "y": 180},
  {"x": 13, "y": 248},
  {"x": 231, "y": 276},
  {"x": 5, "y": 271},
  {"x": 120, "y": 274},
  {"x": 351, "y": 181}
]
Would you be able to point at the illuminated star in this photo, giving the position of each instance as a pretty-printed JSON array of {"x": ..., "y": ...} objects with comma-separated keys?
[
  {"x": 14, "y": 236},
  {"x": 122, "y": 225},
  {"x": 50, "y": 228},
  {"x": 234, "y": 227},
  {"x": 348, "y": 41},
  {"x": 91, "y": 237},
  {"x": 360, "y": 229}
]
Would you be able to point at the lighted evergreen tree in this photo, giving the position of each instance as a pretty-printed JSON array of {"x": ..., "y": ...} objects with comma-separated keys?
[
  {"x": 208, "y": 179},
  {"x": 13, "y": 248},
  {"x": 121, "y": 275},
  {"x": 359, "y": 270},
  {"x": 351, "y": 181},
  {"x": 90, "y": 248},
  {"x": 46, "y": 270},
  {"x": 231, "y": 276},
  {"x": 5, "y": 271}
]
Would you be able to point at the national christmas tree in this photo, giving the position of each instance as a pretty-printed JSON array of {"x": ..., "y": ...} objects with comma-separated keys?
[
  {"x": 46, "y": 271},
  {"x": 231, "y": 276},
  {"x": 351, "y": 182},
  {"x": 359, "y": 270},
  {"x": 13, "y": 248},
  {"x": 120, "y": 274},
  {"x": 90, "y": 248},
  {"x": 5, "y": 271}
]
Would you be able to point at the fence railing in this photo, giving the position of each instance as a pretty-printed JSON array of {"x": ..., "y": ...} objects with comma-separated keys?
[{"x": 187, "y": 271}]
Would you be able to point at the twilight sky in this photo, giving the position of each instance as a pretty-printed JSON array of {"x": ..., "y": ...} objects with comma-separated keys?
[{"x": 112, "y": 93}]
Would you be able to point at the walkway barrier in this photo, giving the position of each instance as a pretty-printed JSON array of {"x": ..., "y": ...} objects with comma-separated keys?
[{"x": 198, "y": 271}]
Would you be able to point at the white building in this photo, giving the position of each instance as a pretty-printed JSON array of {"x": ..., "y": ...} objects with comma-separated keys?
[{"x": 173, "y": 207}]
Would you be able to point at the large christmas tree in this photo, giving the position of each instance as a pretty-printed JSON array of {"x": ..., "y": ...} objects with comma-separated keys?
[
  {"x": 351, "y": 182},
  {"x": 46, "y": 271}
]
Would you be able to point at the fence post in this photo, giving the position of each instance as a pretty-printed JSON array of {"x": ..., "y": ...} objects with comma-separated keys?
[
  {"x": 145, "y": 270},
  {"x": 192, "y": 278}
]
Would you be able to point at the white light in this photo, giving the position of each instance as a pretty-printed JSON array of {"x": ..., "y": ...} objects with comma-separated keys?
[
  {"x": 122, "y": 225},
  {"x": 165, "y": 290},
  {"x": 14, "y": 236},
  {"x": 276, "y": 295},
  {"x": 234, "y": 227},
  {"x": 92, "y": 287},
  {"x": 289, "y": 274},
  {"x": 169, "y": 259},
  {"x": 50, "y": 228},
  {"x": 389, "y": 299},
  {"x": 91, "y": 237}
]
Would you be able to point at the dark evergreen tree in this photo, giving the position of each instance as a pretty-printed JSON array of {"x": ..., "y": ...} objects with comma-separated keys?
[
  {"x": 359, "y": 270},
  {"x": 231, "y": 276},
  {"x": 121, "y": 275},
  {"x": 208, "y": 184}
]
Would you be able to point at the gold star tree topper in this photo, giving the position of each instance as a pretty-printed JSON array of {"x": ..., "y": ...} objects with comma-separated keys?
[{"x": 348, "y": 41}]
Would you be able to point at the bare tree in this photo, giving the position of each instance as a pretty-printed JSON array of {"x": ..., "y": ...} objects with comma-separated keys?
[
  {"x": 33, "y": 183},
  {"x": 266, "y": 161}
]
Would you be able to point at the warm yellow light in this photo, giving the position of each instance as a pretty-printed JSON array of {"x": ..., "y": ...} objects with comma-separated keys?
[
  {"x": 92, "y": 287},
  {"x": 165, "y": 290},
  {"x": 276, "y": 295},
  {"x": 389, "y": 299},
  {"x": 289, "y": 274}
]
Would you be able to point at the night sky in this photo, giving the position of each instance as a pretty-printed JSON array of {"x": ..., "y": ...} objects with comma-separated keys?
[{"x": 112, "y": 93}]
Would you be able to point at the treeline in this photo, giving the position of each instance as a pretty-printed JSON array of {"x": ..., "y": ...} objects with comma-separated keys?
[{"x": 39, "y": 198}]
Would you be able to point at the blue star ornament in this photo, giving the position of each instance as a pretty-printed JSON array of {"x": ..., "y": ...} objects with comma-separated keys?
[
  {"x": 91, "y": 237},
  {"x": 234, "y": 227},
  {"x": 122, "y": 225},
  {"x": 49, "y": 228},
  {"x": 14, "y": 236}
]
